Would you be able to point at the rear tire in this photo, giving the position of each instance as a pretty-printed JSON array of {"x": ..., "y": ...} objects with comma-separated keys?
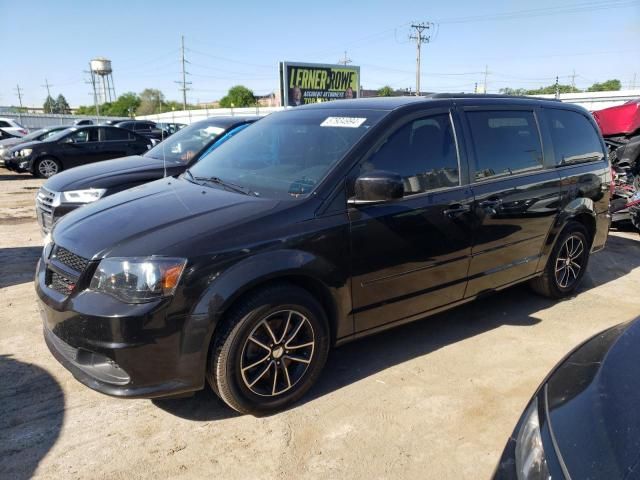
[
  {"x": 566, "y": 263},
  {"x": 47, "y": 167},
  {"x": 269, "y": 350}
]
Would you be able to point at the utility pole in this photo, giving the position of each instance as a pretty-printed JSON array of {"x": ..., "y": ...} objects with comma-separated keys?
[
  {"x": 420, "y": 37},
  {"x": 46, "y": 85},
  {"x": 557, "y": 89},
  {"x": 184, "y": 82},
  {"x": 573, "y": 81},
  {"x": 19, "y": 92},
  {"x": 486, "y": 74},
  {"x": 345, "y": 60},
  {"x": 633, "y": 82}
]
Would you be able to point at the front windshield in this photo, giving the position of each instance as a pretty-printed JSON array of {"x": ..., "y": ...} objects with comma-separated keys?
[
  {"x": 34, "y": 135},
  {"x": 287, "y": 154},
  {"x": 186, "y": 143}
]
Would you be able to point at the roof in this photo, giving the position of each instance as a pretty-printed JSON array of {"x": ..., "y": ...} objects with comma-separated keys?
[{"x": 391, "y": 103}]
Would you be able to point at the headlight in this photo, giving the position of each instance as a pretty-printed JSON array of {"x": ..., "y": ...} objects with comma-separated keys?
[
  {"x": 83, "y": 196},
  {"x": 25, "y": 152},
  {"x": 531, "y": 463},
  {"x": 138, "y": 279}
]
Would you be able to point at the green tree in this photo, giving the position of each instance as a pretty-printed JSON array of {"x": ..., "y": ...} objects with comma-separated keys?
[
  {"x": 125, "y": 105},
  {"x": 61, "y": 105},
  {"x": 385, "y": 91},
  {"x": 513, "y": 91},
  {"x": 151, "y": 101},
  {"x": 609, "y": 85},
  {"x": 49, "y": 105},
  {"x": 238, "y": 96},
  {"x": 550, "y": 89}
]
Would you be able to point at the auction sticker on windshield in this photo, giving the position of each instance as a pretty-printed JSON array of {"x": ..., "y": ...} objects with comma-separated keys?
[{"x": 345, "y": 122}]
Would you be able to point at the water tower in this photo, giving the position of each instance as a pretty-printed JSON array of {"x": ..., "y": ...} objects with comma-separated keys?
[{"x": 101, "y": 73}]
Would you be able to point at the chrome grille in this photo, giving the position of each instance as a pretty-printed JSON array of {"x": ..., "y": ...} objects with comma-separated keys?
[
  {"x": 46, "y": 200},
  {"x": 71, "y": 260}
]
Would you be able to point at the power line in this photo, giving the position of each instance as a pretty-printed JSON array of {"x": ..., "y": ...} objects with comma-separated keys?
[
  {"x": 537, "y": 12},
  {"x": 420, "y": 37}
]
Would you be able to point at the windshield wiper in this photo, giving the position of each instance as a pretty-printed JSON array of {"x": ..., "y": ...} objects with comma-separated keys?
[{"x": 224, "y": 183}]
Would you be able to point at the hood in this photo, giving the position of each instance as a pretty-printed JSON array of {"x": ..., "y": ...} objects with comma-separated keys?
[
  {"x": 31, "y": 144},
  {"x": 166, "y": 217},
  {"x": 110, "y": 173},
  {"x": 619, "y": 120},
  {"x": 593, "y": 400},
  {"x": 10, "y": 142}
]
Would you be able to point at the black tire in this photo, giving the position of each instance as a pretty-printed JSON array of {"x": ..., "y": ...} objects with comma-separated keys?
[
  {"x": 46, "y": 167},
  {"x": 553, "y": 283},
  {"x": 284, "y": 369}
]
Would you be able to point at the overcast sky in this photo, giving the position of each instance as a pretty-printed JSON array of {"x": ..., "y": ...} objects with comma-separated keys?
[{"x": 523, "y": 43}]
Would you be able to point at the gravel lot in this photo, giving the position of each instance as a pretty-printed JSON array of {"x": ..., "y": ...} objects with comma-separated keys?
[{"x": 434, "y": 399}]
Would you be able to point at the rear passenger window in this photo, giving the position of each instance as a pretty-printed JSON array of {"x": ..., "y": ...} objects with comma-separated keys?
[
  {"x": 4, "y": 124},
  {"x": 423, "y": 152},
  {"x": 116, "y": 134},
  {"x": 505, "y": 143},
  {"x": 574, "y": 137}
]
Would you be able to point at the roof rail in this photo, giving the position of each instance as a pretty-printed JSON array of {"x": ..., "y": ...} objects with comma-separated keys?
[{"x": 488, "y": 95}]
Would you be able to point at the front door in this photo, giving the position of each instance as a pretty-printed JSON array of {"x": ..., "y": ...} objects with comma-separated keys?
[
  {"x": 79, "y": 147},
  {"x": 516, "y": 199},
  {"x": 411, "y": 255}
]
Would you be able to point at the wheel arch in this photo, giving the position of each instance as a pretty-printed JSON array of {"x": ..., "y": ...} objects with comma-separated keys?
[
  {"x": 302, "y": 269},
  {"x": 42, "y": 156}
]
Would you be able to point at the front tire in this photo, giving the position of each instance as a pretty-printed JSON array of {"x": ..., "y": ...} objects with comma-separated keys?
[
  {"x": 47, "y": 167},
  {"x": 566, "y": 264},
  {"x": 269, "y": 350}
]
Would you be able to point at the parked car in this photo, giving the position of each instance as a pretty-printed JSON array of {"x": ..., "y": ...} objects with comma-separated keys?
[
  {"x": 620, "y": 126},
  {"x": 6, "y": 135},
  {"x": 38, "y": 135},
  {"x": 12, "y": 127},
  {"x": 72, "y": 147},
  {"x": 583, "y": 421},
  {"x": 171, "y": 128},
  {"x": 83, "y": 121},
  {"x": 144, "y": 127},
  {"x": 316, "y": 226},
  {"x": 85, "y": 184}
]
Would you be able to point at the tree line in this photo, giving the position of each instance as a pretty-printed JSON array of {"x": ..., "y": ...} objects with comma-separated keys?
[
  {"x": 152, "y": 101},
  {"x": 609, "y": 85}
]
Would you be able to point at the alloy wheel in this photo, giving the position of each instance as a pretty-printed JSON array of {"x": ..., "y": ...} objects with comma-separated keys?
[
  {"x": 47, "y": 168},
  {"x": 570, "y": 261},
  {"x": 277, "y": 353}
]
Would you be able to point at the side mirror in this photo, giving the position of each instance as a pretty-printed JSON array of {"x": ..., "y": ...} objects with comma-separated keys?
[
  {"x": 376, "y": 187},
  {"x": 69, "y": 140}
]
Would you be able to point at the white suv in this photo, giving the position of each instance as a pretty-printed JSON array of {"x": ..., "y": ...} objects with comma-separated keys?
[{"x": 11, "y": 126}]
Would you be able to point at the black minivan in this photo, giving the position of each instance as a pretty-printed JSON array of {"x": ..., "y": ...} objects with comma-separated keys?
[{"x": 316, "y": 226}]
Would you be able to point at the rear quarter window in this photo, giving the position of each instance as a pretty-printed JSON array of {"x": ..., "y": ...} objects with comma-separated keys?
[{"x": 574, "y": 138}]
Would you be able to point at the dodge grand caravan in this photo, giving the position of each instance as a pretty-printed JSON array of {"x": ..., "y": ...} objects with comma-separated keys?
[{"x": 314, "y": 227}]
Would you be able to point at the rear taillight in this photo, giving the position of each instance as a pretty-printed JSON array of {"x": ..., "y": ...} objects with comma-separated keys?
[{"x": 23, "y": 131}]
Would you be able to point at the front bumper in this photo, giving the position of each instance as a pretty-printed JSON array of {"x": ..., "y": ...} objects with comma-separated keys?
[
  {"x": 19, "y": 164},
  {"x": 122, "y": 350}
]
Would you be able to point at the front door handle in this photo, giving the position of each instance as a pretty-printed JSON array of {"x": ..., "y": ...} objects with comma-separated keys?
[{"x": 456, "y": 209}]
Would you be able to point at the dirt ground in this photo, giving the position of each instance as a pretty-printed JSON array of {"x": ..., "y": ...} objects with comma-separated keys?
[{"x": 434, "y": 399}]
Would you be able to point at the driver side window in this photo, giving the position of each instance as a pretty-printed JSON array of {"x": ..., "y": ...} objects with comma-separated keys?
[{"x": 423, "y": 152}]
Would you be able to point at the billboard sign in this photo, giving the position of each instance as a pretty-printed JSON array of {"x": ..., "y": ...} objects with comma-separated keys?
[{"x": 302, "y": 83}]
